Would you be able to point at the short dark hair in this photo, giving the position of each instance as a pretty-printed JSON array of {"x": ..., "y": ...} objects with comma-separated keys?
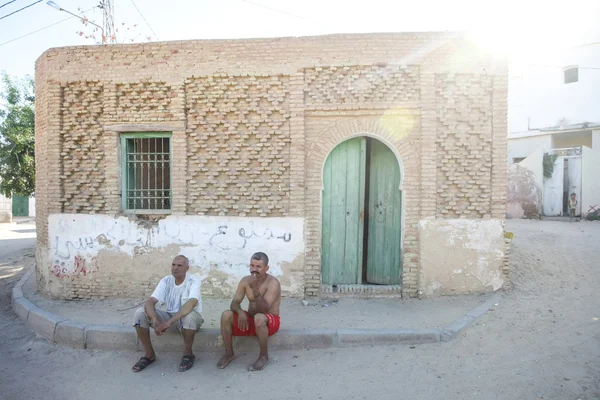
[
  {"x": 187, "y": 261},
  {"x": 260, "y": 256}
]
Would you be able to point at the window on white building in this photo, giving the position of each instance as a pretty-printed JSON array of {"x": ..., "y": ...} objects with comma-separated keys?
[
  {"x": 146, "y": 169},
  {"x": 571, "y": 74}
]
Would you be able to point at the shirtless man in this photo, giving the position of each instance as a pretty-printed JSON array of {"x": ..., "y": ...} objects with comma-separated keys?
[{"x": 261, "y": 319}]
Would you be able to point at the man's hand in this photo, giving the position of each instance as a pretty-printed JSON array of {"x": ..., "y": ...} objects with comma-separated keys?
[
  {"x": 161, "y": 327},
  {"x": 242, "y": 321}
]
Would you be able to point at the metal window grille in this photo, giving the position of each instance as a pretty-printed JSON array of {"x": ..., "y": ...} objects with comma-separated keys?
[{"x": 147, "y": 172}]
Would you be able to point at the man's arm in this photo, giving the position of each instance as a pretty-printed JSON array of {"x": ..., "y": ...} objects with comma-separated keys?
[
  {"x": 235, "y": 305},
  {"x": 149, "y": 308},
  {"x": 184, "y": 310},
  {"x": 240, "y": 292},
  {"x": 263, "y": 303},
  {"x": 158, "y": 296}
]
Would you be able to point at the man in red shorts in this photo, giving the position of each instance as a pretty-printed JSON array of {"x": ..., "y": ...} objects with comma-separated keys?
[{"x": 261, "y": 319}]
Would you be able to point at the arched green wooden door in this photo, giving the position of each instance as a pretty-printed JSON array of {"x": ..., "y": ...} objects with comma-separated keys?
[{"x": 361, "y": 175}]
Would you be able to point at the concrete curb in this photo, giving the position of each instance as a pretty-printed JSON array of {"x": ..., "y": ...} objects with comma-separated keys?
[
  {"x": 113, "y": 337},
  {"x": 24, "y": 221}
]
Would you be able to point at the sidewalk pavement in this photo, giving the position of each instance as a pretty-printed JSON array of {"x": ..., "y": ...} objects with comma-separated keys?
[{"x": 107, "y": 324}]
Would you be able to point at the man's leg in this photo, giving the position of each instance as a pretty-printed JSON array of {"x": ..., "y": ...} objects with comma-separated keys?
[
  {"x": 190, "y": 324},
  {"x": 142, "y": 328},
  {"x": 188, "y": 341},
  {"x": 262, "y": 333},
  {"x": 144, "y": 336},
  {"x": 227, "y": 334}
]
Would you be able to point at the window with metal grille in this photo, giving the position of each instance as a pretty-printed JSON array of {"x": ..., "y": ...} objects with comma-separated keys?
[
  {"x": 571, "y": 74},
  {"x": 146, "y": 172}
]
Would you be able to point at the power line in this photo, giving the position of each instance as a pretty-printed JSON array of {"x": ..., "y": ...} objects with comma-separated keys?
[
  {"x": 141, "y": 15},
  {"x": 41, "y": 29},
  {"x": 21, "y": 9},
  {"x": 5, "y": 4}
]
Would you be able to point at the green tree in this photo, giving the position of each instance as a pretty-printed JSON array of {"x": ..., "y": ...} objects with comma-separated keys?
[{"x": 17, "y": 136}]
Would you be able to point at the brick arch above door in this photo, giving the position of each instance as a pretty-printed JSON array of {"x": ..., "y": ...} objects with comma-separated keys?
[{"x": 401, "y": 133}]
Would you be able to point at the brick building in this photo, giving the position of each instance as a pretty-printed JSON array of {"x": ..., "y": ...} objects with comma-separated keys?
[{"x": 366, "y": 163}]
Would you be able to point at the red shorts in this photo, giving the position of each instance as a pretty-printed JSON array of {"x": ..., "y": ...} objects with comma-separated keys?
[{"x": 272, "y": 324}]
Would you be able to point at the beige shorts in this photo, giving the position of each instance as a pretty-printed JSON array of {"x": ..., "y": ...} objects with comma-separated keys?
[{"x": 192, "y": 321}]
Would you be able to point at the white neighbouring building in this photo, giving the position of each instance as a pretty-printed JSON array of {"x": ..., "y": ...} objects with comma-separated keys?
[{"x": 554, "y": 108}]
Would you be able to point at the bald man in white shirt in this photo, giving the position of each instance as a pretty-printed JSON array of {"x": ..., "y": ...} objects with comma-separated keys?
[{"x": 181, "y": 294}]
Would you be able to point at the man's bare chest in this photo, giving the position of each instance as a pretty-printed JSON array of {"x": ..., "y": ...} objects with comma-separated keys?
[{"x": 262, "y": 290}]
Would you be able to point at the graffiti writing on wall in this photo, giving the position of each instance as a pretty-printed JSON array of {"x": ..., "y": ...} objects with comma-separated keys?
[
  {"x": 64, "y": 249},
  {"x": 60, "y": 269},
  {"x": 243, "y": 236},
  {"x": 223, "y": 242}
]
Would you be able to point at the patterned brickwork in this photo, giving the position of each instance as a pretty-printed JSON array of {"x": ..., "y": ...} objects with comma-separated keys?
[
  {"x": 144, "y": 102},
  {"x": 82, "y": 155},
  {"x": 238, "y": 137},
  {"x": 361, "y": 84},
  {"x": 464, "y": 145}
]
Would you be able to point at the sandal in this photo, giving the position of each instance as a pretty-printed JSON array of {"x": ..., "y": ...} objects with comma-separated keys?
[
  {"x": 187, "y": 362},
  {"x": 141, "y": 364}
]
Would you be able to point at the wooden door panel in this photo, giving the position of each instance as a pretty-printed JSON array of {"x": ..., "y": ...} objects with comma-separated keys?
[
  {"x": 343, "y": 203},
  {"x": 385, "y": 207}
]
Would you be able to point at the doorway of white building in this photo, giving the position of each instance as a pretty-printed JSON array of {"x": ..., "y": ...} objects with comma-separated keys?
[{"x": 565, "y": 180}]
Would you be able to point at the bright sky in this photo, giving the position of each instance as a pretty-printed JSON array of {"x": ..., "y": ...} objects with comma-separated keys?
[{"x": 523, "y": 25}]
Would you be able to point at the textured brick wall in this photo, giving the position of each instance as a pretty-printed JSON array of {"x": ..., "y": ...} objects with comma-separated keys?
[
  {"x": 464, "y": 145},
  {"x": 254, "y": 120},
  {"x": 239, "y": 142},
  {"x": 144, "y": 102},
  {"x": 360, "y": 84},
  {"x": 83, "y": 180}
]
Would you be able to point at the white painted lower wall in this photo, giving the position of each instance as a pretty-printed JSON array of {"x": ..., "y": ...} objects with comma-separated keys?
[
  {"x": 596, "y": 140},
  {"x": 105, "y": 256},
  {"x": 590, "y": 180},
  {"x": 5, "y": 209},
  {"x": 553, "y": 190},
  {"x": 32, "y": 206},
  {"x": 219, "y": 248},
  {"x": 461, "y": 256}
]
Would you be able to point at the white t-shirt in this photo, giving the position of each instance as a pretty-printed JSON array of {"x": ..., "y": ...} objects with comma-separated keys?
[{"x": 174, "y": 296}]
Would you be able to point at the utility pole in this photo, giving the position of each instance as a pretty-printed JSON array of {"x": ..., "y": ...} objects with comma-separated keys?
[{"x": 108, "y": 20}]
